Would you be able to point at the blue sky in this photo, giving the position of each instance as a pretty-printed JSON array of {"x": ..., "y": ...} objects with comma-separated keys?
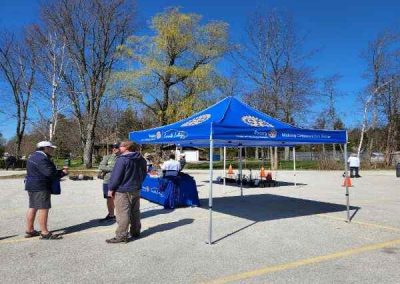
[{"x": 339, "y": 29}]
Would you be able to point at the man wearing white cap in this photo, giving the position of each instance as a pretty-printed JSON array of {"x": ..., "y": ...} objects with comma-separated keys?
[{"x": 41, "y": 172}]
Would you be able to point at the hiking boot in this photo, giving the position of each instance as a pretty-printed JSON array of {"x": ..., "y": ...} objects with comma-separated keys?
[
  {"x": 116, "y": 240},
  {"x": 107, "y": 218}
]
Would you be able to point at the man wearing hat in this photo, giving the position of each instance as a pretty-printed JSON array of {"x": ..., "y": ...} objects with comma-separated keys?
[
  {"x": 106, "y": 166},
  {"x": 41, "y": 172}
]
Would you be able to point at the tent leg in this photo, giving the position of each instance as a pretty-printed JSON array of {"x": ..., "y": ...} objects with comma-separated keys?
[
  {"x": 346, "y": 174},
  {"x": 224, "y": 167},
  {"x": 294, "y": 166},
  {"x": 241, "y": 171},
  {"x": 210, "y": 194}
]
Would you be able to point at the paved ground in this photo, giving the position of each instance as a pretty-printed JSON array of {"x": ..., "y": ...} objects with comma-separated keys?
[
  {"x": 4, "y": 173},
  {"x": 285, "y": 234}
]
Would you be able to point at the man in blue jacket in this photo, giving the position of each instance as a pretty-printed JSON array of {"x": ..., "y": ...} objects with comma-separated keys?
[
  {"x": 41, "y": 172},
  {"x": 124, "y": 186}
]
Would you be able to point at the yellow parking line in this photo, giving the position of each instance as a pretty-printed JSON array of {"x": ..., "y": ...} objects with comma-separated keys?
[
  {"x": 302, "y": 262},
  {"x": 373, "y": 225}
]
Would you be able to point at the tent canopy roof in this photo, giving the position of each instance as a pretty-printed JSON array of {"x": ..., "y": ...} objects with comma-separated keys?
[{"x": 232, "y": 123}]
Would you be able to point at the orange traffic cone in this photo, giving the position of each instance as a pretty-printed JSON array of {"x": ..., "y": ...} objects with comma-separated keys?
[
  {"x": 230, "y": 170},
  {"x": 262, "y": 173},
  {"x": 347, "y": 182}
]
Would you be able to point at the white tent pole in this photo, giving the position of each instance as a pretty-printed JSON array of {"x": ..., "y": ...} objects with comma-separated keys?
[
  {"x": 294, "y": 165},
  {"x": 240, "y": 171},
  {"x": 224, "y": 167},
  {"x": 346, "y": 174},
  {"x": 210, "y": 193}
]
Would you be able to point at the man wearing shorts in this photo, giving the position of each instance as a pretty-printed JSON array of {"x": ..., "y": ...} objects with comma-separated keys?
[
  {"x": 106, "y": 166},
  {"x": 41, "y": 172}
]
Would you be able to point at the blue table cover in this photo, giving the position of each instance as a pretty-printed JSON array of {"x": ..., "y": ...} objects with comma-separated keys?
[{"x": 171, "y": 192}]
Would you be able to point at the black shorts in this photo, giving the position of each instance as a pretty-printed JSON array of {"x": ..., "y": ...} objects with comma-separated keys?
[{"x": 39, "y": 199}]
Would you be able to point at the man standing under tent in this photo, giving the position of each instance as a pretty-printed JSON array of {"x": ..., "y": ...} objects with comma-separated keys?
[
  {"x": 124, "y": 186},
  {"x": 106, "y": 166},
  {"x": 171, "y": 167}
]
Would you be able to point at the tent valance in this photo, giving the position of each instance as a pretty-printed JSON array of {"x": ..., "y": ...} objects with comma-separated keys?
[{"x": 232, "y": 123}]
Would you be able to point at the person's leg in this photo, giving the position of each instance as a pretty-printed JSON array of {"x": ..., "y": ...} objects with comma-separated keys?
[
  {"x": 30, "y": 219},
  {"x": 43, "y": 217},
  {"x": 351, "y": 171},
  {"x": 122, "y": 208},
  {"x": 110, "y": 207},
  {"x": 135, "y": 214},
  {"x": 356, "y": 170}
]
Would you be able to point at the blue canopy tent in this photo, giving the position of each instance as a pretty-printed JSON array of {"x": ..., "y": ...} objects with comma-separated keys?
[{"x": 231, "y": 123}]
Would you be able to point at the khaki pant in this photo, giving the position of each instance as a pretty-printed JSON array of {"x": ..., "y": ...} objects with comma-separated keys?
[{"x": 127, "y": 207}]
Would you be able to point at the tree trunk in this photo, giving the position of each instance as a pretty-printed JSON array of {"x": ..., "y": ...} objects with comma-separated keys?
[
  {"x": 334, "y": 151},
  {"x": 88, "y": 146},
  {"x": 390, "y": 142},
  {"x": 287, "y": 153},
  {"x": 271, "y": 157}
]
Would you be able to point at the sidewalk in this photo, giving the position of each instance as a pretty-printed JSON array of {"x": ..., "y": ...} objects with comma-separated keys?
[{"x": 4, "y": 173}]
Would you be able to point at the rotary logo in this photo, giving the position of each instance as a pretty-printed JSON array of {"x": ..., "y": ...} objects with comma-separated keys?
[
  {"x": 272, "y": 133},
  {"x": 158, "y": 134},
  {"x": 197, "y": 120},
  {"x": 255, "y": 121}
]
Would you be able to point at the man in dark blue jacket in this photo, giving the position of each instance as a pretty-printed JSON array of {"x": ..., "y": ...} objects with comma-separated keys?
[
  {"x": 125, "y": 183},
  {"x": 41, "y": 172}
]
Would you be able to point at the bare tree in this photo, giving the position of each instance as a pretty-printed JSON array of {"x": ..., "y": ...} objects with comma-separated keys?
[
  {"x": 330, "y": 93},
  {"x": 17, "y": 68},
  {"x": 271, "y": 56},
  {"x": 93, "y": 30},
  {"x": 51, "y": 63},
  {"x": 383, "y": 59}
]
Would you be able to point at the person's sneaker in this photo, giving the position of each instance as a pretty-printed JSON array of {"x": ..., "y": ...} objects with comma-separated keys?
[
  {"x": 107, "y": 218},
  {"x": 117, "y": 240}
]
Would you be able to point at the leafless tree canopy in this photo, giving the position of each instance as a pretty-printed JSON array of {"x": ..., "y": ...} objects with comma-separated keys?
[
  {"x": 92, "y": 30},
  {"x": 382, "y": 98},
  {"x": 17, "y": 68},
  {"x": 272, "y": 58}
]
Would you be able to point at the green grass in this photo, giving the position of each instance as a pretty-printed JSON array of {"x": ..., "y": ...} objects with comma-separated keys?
[{"x": 75, "y": 164}]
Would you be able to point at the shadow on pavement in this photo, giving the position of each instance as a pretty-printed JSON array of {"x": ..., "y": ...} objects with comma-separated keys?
[
  {"x": 94, "y": 223},
  {"x": 245, "y": 185},
  {"x": 165, "y": 227},
  {"x": 266, "y": 207},
  {"x": 7, "y": 237}
]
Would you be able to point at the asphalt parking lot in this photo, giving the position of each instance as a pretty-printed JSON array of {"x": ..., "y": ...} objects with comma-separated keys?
[{"x": 285, "y": 234}]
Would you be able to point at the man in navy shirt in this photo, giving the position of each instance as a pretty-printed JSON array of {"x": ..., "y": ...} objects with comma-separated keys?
[
  {"x": 124, "y": 186},
  {"x": 41, "y": 172}
]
